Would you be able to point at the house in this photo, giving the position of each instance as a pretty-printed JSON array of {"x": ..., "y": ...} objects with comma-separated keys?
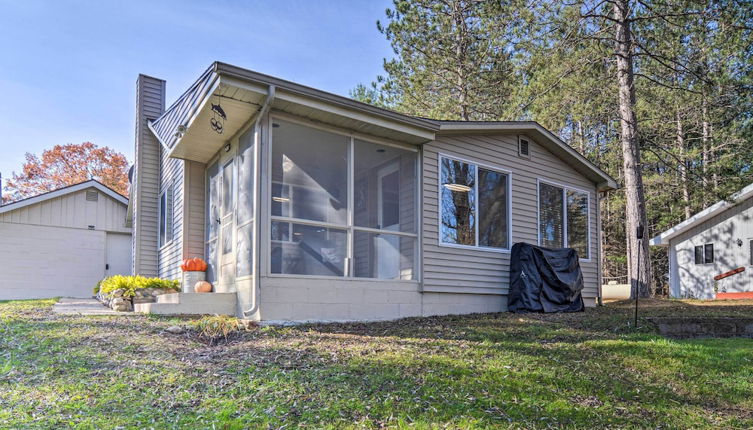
[
  {"x": 312, "y": 206},
  {"x": 710, "y": 244},
  {"x": 61, "y": 243}
]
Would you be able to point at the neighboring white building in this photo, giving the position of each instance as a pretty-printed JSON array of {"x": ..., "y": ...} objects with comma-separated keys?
[
  {"x": 712, "y": 242},
  {"x": 61, "y": 243},
  {"x": 312, "y": 206}
]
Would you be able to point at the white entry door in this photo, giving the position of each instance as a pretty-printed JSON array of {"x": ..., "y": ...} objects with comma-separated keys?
[
  {"x": 388, "y": 246},
  {"x": 118, "y": 254}
]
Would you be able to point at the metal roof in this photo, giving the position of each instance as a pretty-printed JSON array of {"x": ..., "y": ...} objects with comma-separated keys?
[{"x": 187, "y": 106}]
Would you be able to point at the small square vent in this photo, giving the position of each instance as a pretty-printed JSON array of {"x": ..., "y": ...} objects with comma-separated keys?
[
  {"x": 524, "y": 147},
  {"x": 92, "y": 195}
]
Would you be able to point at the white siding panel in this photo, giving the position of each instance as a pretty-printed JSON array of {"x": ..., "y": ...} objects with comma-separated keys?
[{"x": 722, "y": 230}]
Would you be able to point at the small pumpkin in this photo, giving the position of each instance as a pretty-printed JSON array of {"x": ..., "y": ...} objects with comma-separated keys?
[
  {"x": 197, "y": 264},
  {"x": 203, "y": 287}
]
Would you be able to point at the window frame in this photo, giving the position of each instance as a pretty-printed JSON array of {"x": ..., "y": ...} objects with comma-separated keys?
[
  {"x": 168, "y": 194},
  {"x": 349, "y": 226},
  {"x": 565, "y": 188},
  {"x": 441, "y": 156},
  {"x": 704, "y": 261}
]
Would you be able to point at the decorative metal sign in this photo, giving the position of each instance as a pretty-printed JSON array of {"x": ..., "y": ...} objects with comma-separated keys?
[{"x": 218, "y": 117}]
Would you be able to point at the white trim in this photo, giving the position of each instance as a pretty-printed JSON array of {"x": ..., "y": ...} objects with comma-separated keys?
[
  {"x": 704, "y": 215},
  {"x": 62, "y": 192},
  {"x": 565, "y": 188},
  {"x": 440, "y": 156}
]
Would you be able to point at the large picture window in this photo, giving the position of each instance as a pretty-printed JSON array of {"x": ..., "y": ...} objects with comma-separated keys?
[
  {"x": 474, "y": 205},
  {"x": 341, "y": 206},
  {"x": 564, "y": 218}
]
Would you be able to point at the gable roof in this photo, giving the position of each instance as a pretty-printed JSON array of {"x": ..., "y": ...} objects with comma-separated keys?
[
  {"x": 704, "y": 215},
  {"x": 186, "y": 107},
  {"x": 542, "y": 136},
  {"x": 92, "y": 183}
]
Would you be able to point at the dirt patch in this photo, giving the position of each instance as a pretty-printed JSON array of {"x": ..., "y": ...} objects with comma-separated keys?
[{"x": 697, "y": 327}]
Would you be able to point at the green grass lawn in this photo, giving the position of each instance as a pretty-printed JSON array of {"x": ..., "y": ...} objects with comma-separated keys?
[{"x": 585, "y": 370}]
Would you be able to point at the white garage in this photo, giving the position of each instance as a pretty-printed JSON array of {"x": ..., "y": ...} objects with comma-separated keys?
[{"x": 63, "y": 242}]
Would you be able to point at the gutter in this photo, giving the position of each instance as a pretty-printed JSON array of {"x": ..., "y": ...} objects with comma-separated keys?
[{"x": 263, "y": 110}]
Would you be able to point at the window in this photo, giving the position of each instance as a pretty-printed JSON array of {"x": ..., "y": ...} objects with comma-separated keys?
[
  {"x": 699, "y": 254},
  {"x": 750, "y": 252},
  {"x": 166, "y": 216},
  {"x": 474, "y": 205},
  {"x": 704, "y": 254},
  {"x": 564, "y": 218},
  {"x": 341, "y": 206},
  {"x": 246, "y": 215}
]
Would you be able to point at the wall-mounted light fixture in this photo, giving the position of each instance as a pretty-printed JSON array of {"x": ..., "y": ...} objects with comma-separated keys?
[
  {"x": 739, "y": 242},
  {"x": 460, "y": 188},
  {"x": 227, "y": 147}
]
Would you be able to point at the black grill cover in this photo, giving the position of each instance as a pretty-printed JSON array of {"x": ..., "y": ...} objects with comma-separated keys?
[{"x": 544, "y": 280}]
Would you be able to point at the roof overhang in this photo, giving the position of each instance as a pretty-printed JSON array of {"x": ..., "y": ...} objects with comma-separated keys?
[
  {"x": 64, "y": 191},
  {"x": 542, "y": 136},
  {"x": 702, "y": 216},
  {"x": 185, "y": 131}
]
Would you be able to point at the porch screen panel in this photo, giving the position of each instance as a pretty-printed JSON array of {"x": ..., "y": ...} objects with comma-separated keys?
[
  {"x": 212, "y": 221},
  {"x": 384, "y": 256},
  {"x": 458, "y": 202},
  {"x": 312, "y": 165},
  {"x": 299, "y": 249},
  {"x": 245, "y": 212},
  {"x": 551, "y": 216},
  {"x": 385, "y": 187},
  {"x": 577, "y": 222}
]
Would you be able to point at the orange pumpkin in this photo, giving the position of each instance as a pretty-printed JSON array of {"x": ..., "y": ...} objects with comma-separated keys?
[
  {"x": 202, "y": 287},
  {"x": 197, "y": 263}
]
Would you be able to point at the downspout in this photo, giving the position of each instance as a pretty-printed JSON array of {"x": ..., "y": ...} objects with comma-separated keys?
[{"x": 262, "y": 112}]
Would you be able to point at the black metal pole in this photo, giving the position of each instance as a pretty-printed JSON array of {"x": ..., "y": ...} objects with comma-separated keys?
[
  {"x": 639, "y": 236},
  {"x": 637, "y": 285}
]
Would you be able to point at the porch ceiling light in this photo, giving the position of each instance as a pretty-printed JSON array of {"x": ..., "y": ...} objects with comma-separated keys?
[
  {"x": 460, "y": 188},
  {"x": 280, "y": 199}
]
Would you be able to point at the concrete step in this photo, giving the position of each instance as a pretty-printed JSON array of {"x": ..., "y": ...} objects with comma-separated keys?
[{"x": 191, "y": 304}]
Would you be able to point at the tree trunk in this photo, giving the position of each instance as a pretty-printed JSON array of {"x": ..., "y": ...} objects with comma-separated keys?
[
  {"x": 705, "y": 136},
  {"x": 639, "y": 263},
  {"x": 683, "y": 166},
  {"x": 461, "y": 58}
]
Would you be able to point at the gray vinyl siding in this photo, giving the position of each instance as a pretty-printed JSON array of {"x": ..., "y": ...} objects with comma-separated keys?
[
  {"x": 688, "y": 279},
  {"x": 171, "y": 254},
  {"x": 73, "y": 211},
  {"x": 193, "y": 209},
  {"x": 456, "y": 270},
  {"x": 150, "y": 103}
]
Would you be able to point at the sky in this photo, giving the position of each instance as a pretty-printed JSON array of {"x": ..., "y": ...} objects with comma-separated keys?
[{"x": 68, "y": 69}]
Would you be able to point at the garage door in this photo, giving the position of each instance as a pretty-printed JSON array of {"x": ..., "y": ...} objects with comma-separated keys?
[{"x": 42, "y": 261}]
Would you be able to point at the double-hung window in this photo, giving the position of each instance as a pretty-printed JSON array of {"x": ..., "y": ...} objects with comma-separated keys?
[
  {"x": 564, "y": 218},
  {"x": 341, "y": 206},
  {"x": 166, "y": 215},
  {"x": 704, "y": 254},
  {"x": 474, "y": 205}
]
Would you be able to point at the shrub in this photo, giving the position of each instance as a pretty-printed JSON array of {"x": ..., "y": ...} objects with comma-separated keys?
[
  {"x": 96, "y": 287},
  {"x": 216, "y": 327},
  {"x": 132, "y": 283}
]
